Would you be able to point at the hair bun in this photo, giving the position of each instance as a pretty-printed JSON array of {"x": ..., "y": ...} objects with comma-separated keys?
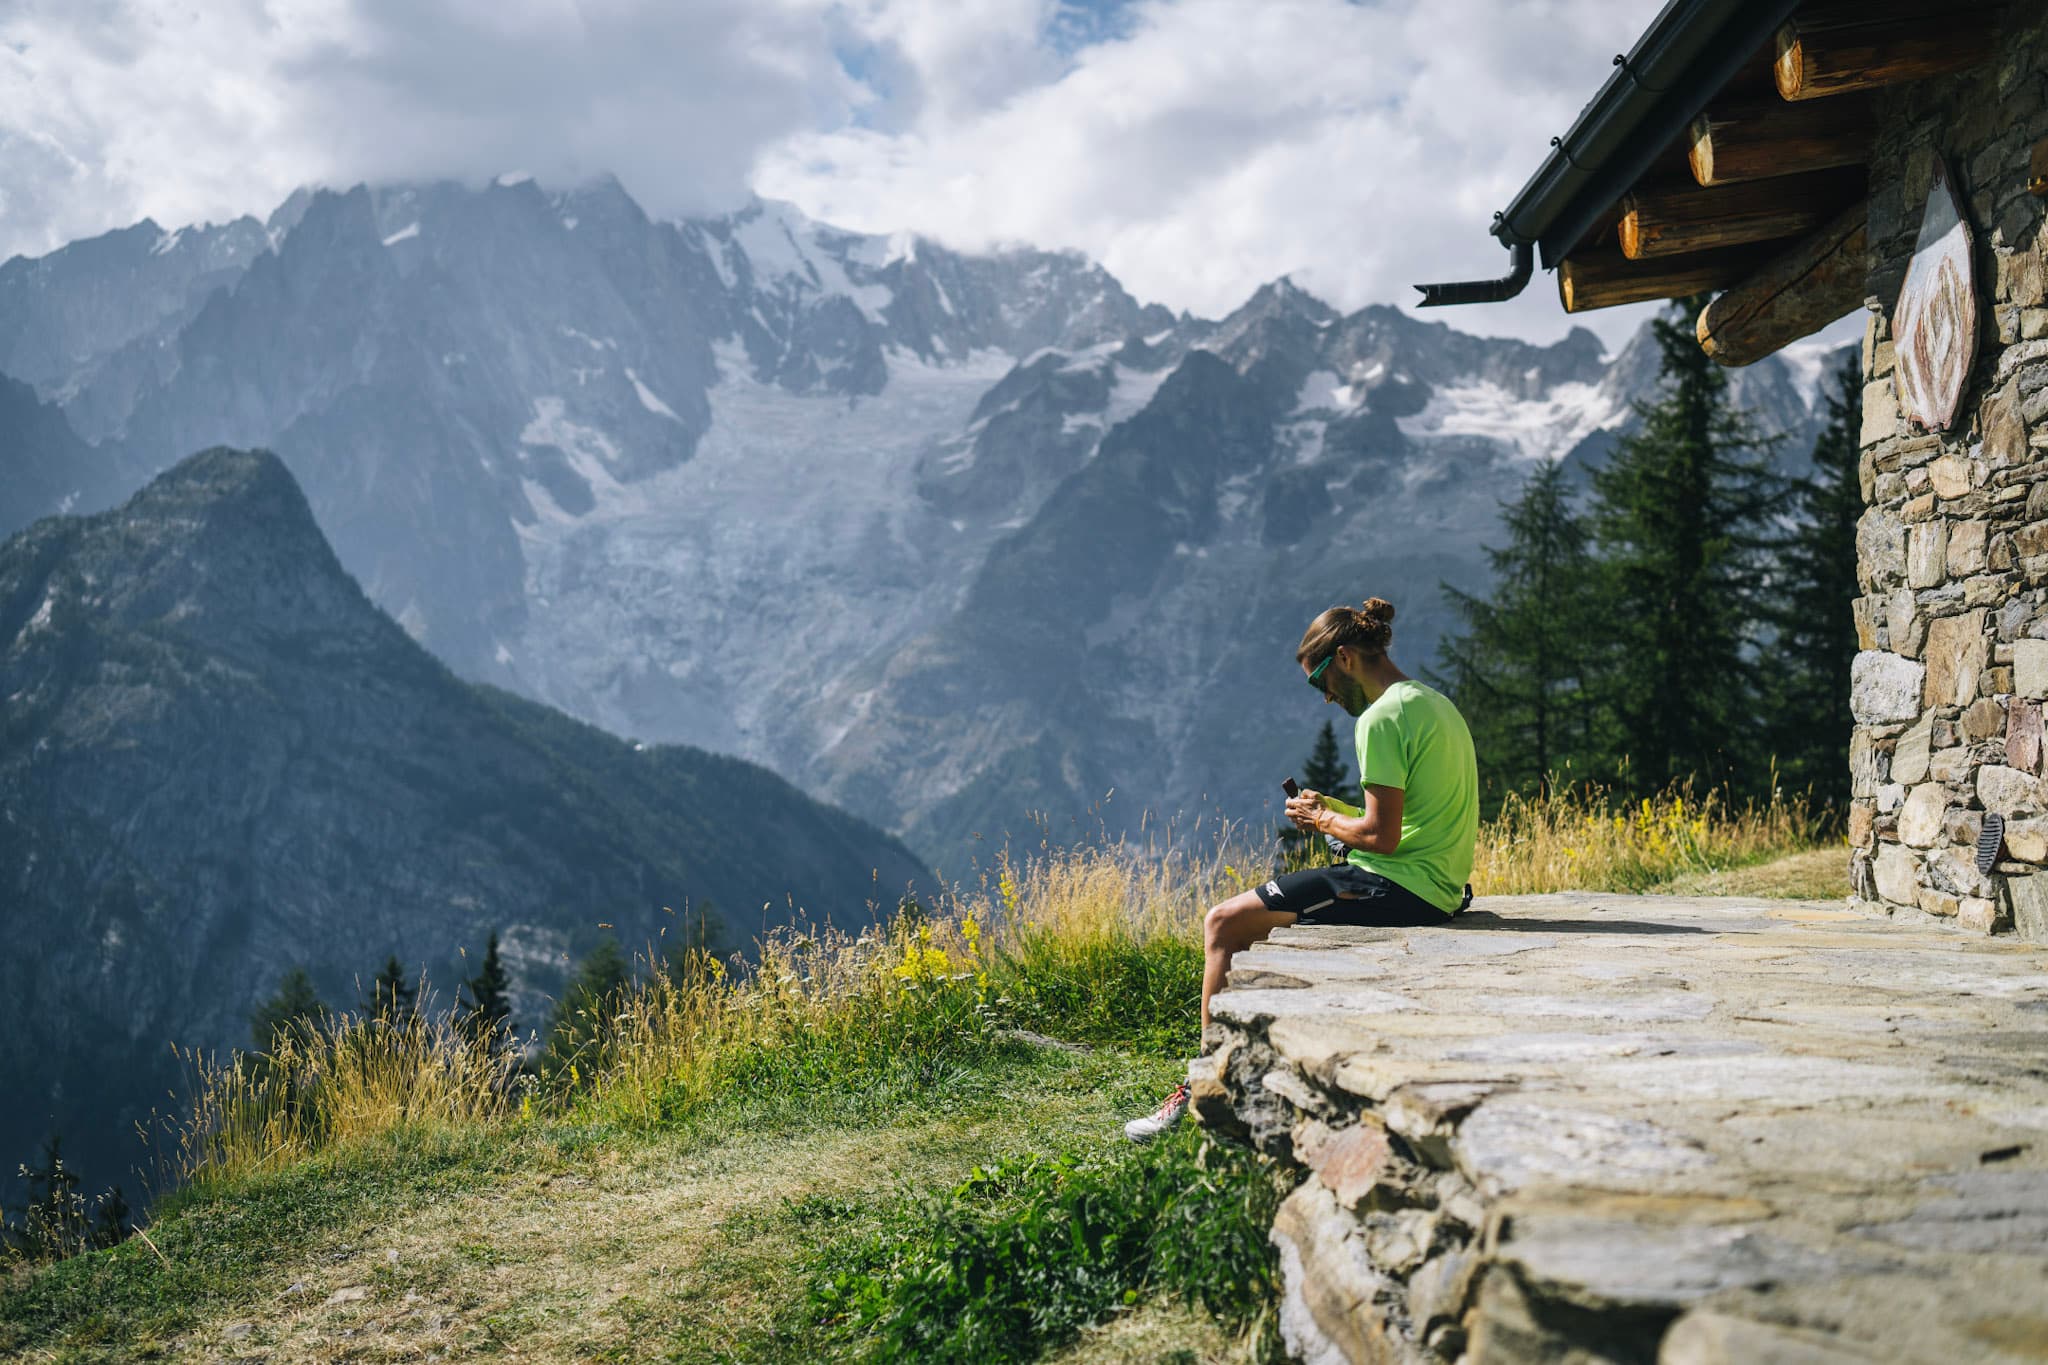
[{"x": 1369, "y": 630}]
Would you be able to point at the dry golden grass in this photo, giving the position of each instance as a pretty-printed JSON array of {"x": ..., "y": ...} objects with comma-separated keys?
[
  {"x": 1814, "y": 874},
  {"x": 647, "y": 1247},
  {"x": 1097, "y": 936},
  {"x": 812, "y": 1007},
  {"x": 1586, "y": 839},
  {"x": 1155, "y": 1334},
  {"x": 828, "y": 1002},
  {"x": 334, "y": 1081}
]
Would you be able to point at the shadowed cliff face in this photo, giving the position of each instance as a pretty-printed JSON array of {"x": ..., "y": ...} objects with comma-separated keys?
[
  {"x": 44, "y": 466},
  {"x": 218, "y": 760},
  {"x": 958, "y": 538}
]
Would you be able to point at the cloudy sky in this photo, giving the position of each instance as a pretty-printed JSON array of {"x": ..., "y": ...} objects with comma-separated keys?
[{"x": 1196, "y": 147}]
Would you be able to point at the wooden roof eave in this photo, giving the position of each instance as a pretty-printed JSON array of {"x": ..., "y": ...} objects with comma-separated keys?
[
  {"x": 1802, "y": 224},
  {"x": 1791, "y": 121}
]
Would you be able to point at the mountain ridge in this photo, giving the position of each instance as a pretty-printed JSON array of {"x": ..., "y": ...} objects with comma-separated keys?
[
  {"x": 219, "y": 760},
  {"x": 736, "y": 481}
]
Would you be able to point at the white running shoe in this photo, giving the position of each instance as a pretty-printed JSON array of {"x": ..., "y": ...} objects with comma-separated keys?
[{"x": 1157, "y": 1122}]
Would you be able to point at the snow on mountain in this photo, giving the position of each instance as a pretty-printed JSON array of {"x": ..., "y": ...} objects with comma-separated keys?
[
  {"x": 938, "y": 535},
  {"x": 684, "y": 604},
  {"x": 1811, "y": 362},
  {"x": 88, "y": 324},
  {"x": 784, "y": 248},
  {"x": 1537, "y": 428}
]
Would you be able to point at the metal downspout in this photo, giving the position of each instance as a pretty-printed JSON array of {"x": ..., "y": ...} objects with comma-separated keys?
[
  {"x": 1686, "y": 54},
  {"x": 1484, "y": 291}
]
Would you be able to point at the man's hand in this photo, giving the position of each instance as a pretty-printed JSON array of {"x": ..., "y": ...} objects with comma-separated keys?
[
  {"x": 1376, "y": 828},
  {"x": 1306, "y": 810}
]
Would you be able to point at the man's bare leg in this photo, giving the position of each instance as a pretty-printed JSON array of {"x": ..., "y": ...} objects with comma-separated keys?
[{"x": 1228, "y": 929}]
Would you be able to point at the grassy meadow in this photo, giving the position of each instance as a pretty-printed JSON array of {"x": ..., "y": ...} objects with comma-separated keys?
[{"x": 898, "y": 1145}]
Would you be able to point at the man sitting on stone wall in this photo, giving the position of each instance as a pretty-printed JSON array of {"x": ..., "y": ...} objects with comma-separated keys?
[{"x": 1410, "y": 844}]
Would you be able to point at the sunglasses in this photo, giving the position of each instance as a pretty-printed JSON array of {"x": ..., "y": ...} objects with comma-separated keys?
[{"x": 1315, "y": 677}]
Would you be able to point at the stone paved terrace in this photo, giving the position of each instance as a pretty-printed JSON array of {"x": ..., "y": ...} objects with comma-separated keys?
[{"x": 1592, "y": 1127}]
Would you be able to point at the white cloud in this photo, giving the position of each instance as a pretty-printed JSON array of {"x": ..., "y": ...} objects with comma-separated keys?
[
  {"x": 954, "y": 60},
  {"x": 1203, "y": 148},
  {"x": 116, "y": 109},
  {"x": 1362, "y": 148}
]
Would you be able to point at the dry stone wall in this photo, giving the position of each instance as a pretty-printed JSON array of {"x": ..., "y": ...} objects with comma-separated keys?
[
  {"x": 1952, "y": 550},
  {"x": 1587, "y": 1128}
]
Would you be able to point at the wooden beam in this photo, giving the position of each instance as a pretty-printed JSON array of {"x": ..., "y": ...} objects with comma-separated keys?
[
  {"x": 1839, "y": 46},
  {"x": 1756, "y": 140},
  {"x": 1603, "y": 278},
  {"x": 1756, "y": 78},
  {"x": 1601, "y": 233},
  {"x": 1793, "y": 295},
  {"x": 1679, "y": 222}
]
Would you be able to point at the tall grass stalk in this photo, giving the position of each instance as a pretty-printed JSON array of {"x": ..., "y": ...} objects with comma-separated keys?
[
  {"x": 334, "y": 1081},
  {"x": 1587, "y": 838},
  {"x": 1096, "y": 944},
  {"x": 1092, "y": 944}
]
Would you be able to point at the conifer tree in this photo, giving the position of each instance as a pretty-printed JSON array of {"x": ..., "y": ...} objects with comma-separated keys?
[
  {"x": 1519, "y": 672},
  {"x": 1807, "y": 667},
  {"x": 391, "y": 995},
  {"x": 58, "y": 1221},
  {"x": 296, "y": 1008},
  {"x": 489, "y": 1010},
  {"x": 1682, "y": 520},
  {"x": 582, "y": 1018},
  {"x": 53, "y": 1223},
  {"x": 1324, "y": 772}
]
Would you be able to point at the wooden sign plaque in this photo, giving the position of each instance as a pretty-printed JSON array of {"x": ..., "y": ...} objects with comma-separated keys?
[{"x": 1935, "y": 323}]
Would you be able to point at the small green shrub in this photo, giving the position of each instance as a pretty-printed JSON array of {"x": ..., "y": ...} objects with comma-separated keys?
[
  {"x": 1128, "y": 992},
  {"x": 1023, "y": 1255}
]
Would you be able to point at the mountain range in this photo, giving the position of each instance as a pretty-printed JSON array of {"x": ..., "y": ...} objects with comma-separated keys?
[
  {"x": 219, "y": 761},
  {"x": 968, "y": 544}
]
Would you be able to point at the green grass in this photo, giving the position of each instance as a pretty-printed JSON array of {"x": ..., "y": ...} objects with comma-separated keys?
[
  {"x": 1815, "y": 874},
  {"x": 710, "y": 1228},
  {"x": 1139, "y": 994},
  {"x": 208, "y": 1248},
  {"x": 708, "y": 1142},
  {"x": 1022, "y": 1256},
  {"x": 844, "y": 1154}
]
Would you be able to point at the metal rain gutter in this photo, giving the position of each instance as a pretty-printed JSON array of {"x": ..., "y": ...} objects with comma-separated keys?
[
  {"x": 1687, "y": 54},
  {"x": 1484, "y": 291}
]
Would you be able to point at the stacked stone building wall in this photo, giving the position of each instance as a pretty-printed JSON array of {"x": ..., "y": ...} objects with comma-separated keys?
[{"x": 1952, "y": 549}]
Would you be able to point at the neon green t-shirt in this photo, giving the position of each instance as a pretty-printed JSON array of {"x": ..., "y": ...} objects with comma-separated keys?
[{"x": 1413, "y": 738}]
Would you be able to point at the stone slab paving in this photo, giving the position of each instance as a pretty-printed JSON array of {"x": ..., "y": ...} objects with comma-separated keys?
[{"x": 1591, "y": 1127}]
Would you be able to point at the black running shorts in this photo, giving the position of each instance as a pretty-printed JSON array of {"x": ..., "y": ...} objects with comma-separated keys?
[{"x": 1347, "y": 894}]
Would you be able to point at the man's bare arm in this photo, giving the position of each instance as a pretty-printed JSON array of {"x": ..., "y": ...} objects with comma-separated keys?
[{"x": 1376, "y": 828}]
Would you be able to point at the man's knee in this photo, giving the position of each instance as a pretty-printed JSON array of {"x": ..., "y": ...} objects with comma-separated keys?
[{"x": 1223, "y": 927}]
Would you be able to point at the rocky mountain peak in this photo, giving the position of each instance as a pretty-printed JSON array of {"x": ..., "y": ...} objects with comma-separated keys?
[
  {"x": 220, "y": 761},
  {"x": 573, "y": 450},
  {"x": 286, "y": 215},
  {"x": 1278, "y": 303},
  {"x": 224, "y": 545},
  {"x": 224, "y": 496}
]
